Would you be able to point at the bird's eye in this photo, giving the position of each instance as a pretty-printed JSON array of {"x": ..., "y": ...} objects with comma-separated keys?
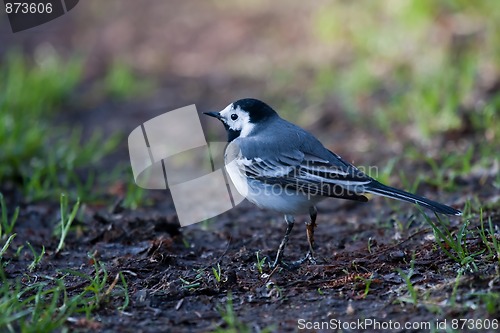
[{"x": 234, "y": 116}]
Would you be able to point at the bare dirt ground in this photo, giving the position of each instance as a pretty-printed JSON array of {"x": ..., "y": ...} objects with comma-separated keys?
[{"x": 168, "y": 269}]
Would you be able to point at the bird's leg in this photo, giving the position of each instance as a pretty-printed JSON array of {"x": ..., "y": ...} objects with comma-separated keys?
[
  {"x": 310, "y": 239},
  {"x": 310, "y": 233},
  {"x": 290, "y": 220}
]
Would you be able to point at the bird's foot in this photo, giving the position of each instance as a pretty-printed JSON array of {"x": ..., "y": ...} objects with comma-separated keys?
[
  {"x": 291, "y": 266},
  {"x": 310, "y": 256},
  {"x": 295, "y": 264}
]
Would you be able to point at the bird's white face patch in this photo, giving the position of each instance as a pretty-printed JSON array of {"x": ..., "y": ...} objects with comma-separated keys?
[{"x": 237, "y": 120}]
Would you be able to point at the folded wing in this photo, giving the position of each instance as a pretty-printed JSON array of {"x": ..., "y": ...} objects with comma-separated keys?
[{"x": 307, "y": 174}]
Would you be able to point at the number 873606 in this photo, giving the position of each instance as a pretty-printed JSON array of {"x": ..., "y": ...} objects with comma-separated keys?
[{"x": 28, "y": 8}]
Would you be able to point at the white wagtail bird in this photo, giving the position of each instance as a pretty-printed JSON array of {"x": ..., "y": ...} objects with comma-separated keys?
[{"x": 279, "y": 166}]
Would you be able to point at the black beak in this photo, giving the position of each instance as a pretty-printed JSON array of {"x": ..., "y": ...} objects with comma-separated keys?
[{"x": 213, "y": 114}]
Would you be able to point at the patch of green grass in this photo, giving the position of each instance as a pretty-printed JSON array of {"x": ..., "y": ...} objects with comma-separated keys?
[
  {"x": 367, "y": 282},
  {"x": 186, "y": 243},
  {"x": 383, "y": 175},
  {"x": 28, "y": 94},
  {"x": 7, "y": 224},
  {"x": 489, "y": 238},
  {"x": 454, "y": 245},
  {"x": 444, "y": 172},
  {"x": 46, "y": 305},
  {"x": 121, "y": 83},
  {"x": 94, "y": 292},
  {"x": 5, "y": 247},
  {"x": 126, "y": 297},
  {"x": 413, "y": 299},
  {"x": 36, "y": 308},
  {"x": 217, "y": 273},
  {"x": 206, "y": 224},
  {"x": 42, "y": 159},
  {"x": 454, "y": 292},
  {"x": 61, "y": 169},
  {"x": 369, "y": 245},
  {"x": 260, "y": 262},
  {"x": 438, "y": 80},
  {"x": 411, "y": 185},
  {"x": 36, "y": 257},
  {"x": 193, "y": 283},
  {"x": 491, "y": 301},
  {"x": 135, "y": 196},
  {"x": 66, "y": 220}
]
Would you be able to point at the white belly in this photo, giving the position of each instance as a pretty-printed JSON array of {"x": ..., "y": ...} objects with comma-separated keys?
[{"x": 274, "y": 197}]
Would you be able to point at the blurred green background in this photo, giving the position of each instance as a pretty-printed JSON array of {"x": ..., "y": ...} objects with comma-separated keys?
[{"x": 412, "y": 82}]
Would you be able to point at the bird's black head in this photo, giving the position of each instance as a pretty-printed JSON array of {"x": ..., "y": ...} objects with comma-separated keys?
[
  {"x": 258, "y": 110},
  {"x": 241, "y": 117}
]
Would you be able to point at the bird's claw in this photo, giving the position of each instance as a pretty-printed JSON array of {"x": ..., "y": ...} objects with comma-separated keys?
[
  {"x": 295, "y": 264},
  {"x": 310, "y": 256}
]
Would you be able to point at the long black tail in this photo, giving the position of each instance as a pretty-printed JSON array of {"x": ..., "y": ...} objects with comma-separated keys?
[{"x": 391, "y": 192}]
